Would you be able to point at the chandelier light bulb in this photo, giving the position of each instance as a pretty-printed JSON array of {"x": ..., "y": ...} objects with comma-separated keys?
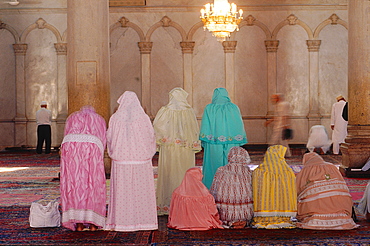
[{"x": 221, "y": 18}]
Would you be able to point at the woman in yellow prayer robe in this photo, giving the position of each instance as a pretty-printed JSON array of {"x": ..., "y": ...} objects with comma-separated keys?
[{"x": 274, "y": 191}]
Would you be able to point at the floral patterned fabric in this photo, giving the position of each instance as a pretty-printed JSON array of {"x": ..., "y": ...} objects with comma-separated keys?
[
  {"x": 176, "y": 129},
  {"x": 222, "y": 128},
  {"x": 232, "y": 189}
]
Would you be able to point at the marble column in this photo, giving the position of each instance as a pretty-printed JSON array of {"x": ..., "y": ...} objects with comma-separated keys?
[
  {"x": 146, "y": 100},
  {"x": 20, "y": 120},
  {"x": 314, "y": 116},
  {"x": 187, "y": 52},
  {"x": 271, "y": 49},
  {"x": 62, "y": 90},
  {"x": 356, "y": 150},
  {"x": 88, "y": 60},
  {"x": 229, "y": 49}
]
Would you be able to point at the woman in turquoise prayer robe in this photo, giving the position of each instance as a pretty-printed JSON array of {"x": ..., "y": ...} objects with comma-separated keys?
[{"x": 222, "y": 128}]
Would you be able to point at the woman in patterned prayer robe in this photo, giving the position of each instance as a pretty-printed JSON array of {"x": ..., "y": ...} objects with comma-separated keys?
[
  {"x": 82, "y": 174},
  {"x": 131, "y": 145},
  {"x": 232, "y": 190},
  {"x": 324, "y": 201},
  {"x": 274, "y": 191}
]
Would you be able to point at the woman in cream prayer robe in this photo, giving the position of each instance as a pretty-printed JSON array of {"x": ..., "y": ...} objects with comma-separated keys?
[
  {"x": 324, "y": 201},
  {"x": 177, "y": 136},
  {"x": 131, "y": 146}
]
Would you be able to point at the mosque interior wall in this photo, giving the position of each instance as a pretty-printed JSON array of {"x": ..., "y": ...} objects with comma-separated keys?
[{"x": 293, "y": 69}]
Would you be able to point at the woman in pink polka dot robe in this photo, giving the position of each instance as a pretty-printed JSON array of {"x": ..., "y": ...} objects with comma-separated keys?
[{"x": 131, "y": 145}]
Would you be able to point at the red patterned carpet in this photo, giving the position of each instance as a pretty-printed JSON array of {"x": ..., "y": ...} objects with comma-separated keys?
[{"x": 26, "y": 177}]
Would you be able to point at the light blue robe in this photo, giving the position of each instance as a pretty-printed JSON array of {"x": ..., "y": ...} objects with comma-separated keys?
[{"x": 222, "y": 128}]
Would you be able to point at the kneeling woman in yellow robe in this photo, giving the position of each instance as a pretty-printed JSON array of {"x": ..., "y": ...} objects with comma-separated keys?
[{"x": 274, "y": 191}]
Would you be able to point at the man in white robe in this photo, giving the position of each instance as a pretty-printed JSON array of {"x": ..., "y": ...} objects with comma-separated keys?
[{"x": 338, "y": 124}]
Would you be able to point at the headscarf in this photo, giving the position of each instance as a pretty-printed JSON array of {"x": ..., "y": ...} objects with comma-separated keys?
[
  {"x": 222, "y": 122},
  {"x": 192, "y": 184},
  {"x": 130, "y": 133},
  {"x": 85, "y": 121},
  {"x": 176, "y": 123},
  {"x": 316, "y": 169},
  {"x": 238, "y": 155}
]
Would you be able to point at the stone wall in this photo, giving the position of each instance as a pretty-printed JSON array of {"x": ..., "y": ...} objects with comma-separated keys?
[{"x": 295, "y": 47}]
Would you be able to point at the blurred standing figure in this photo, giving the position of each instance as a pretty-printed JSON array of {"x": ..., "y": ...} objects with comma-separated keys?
[
  {"x": 131, "y": 145},
  {"x": 43, "y": 121},
  {"x": 177, "y": 135},
  {"x": 318, "y": 138},
  {"x": 280, "y": 121},
  {"x": 82, "y": 177},
  {"x": 338, "y": 124},
  {"x": 222, "y": 128}
]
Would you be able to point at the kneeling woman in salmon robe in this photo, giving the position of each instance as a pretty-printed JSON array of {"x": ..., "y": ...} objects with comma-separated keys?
[
  {"x": 324, "y": 202},
  {"x": 192, "y": 205}
]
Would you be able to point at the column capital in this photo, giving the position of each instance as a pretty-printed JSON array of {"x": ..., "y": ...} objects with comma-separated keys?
[
  {"x": 313, "y": 45},
  {"x": 229, "y": 46},
  {"x": 61, "y": 48},
  {"x": 145, "y": 47},
  {"x": 20, "y": 49},
  {"x": 271, "y": 45},
  {"x": 187, "y": 46}
]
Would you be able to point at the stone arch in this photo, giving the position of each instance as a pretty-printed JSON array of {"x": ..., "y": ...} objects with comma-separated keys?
[
  {"x": 41, "y": 24},
  {"x": 332, "y": 20},
  {"x": 64, "y": 36},
  {"x": 292, "y": 20},
  {"x": 193, "y": 29},
  {"x": 124, "y": 22},
  {"x": 11, "y": 30},
  {"x": 251, "y": 21},
  {"x": 165, "y": 22}
]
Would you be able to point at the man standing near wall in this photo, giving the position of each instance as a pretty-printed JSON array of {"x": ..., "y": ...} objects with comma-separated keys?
[
  {"x": 280, "y": 122},
  {"x": 43, "y": 120},
  {"x": 338, "y": 124}
]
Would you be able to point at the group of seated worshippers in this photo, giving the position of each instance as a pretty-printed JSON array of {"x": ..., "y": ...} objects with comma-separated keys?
[{"x": 270, "y": 197}]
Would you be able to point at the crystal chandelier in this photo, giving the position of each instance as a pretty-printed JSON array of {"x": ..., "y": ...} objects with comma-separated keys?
[{"x": 221, "y": 18}]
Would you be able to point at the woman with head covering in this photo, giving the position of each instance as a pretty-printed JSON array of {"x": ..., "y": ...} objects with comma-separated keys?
[
  {"x": 177, "y": 135},
  {"x": 222, "y": 128},
  {"x": 82, "y": 174},
  {"x": 131, "y": 146},
  {"x": 232, "y": 190},
  {"x": 192, "y": 206},
  {"x": 274, "y": 191},
  {"x": 324, "y": 202}
]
